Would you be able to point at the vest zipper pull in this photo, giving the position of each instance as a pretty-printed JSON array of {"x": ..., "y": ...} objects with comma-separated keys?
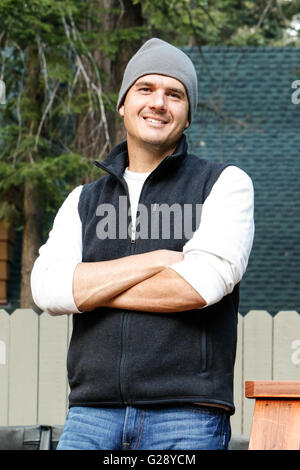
[{"x": 133, "y": 235}]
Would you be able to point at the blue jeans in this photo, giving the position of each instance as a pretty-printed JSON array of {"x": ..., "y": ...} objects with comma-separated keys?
[{"x": 185, "y": 427}]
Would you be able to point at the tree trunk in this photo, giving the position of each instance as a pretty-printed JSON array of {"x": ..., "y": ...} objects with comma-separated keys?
[
  {"x": 33, "y": 205},
  {"x": 131, "y": 16},
  {"x": 32, "y": 239}
]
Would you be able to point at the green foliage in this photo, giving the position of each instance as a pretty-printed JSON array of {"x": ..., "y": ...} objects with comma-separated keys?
[
  {"x": 111, "y": 42},
  {"x": 45, "y": 171},
  {"x": 220, "y": 22},
  {"x": 39, "y": 42},
  {"x": 58, "y": 68}
]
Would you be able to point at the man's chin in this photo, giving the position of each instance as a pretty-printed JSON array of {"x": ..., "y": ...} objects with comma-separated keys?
[
  {"x": 158, "y": 144},
  {"x": 159, "y": 139}
]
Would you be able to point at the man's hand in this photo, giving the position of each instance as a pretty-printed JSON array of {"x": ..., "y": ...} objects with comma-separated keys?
[{"x": 97, "y": 283}]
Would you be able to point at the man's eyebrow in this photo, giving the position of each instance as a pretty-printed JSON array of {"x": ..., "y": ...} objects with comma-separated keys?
[
  {"x": 178, "y": 90},
  {"x": 143, "y": 83},
  {"x": 150, "y": 84}
]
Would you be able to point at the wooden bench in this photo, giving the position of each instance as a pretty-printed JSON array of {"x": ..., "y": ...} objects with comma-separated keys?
[{"x": 276, "y": 418}]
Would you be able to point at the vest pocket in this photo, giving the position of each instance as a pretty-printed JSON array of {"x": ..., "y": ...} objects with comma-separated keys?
[{"x": 203, "y": 349}]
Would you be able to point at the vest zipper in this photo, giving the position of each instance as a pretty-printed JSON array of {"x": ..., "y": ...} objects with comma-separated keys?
[
  {"x": 123, "y": 357},
  {"x": 125, "y": 315},
  {"x": 125, "y": 318},
  {"x": 124, "y": 337}
]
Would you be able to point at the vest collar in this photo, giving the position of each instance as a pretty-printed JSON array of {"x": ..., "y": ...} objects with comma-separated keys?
[{"x": 117, "y": 160}]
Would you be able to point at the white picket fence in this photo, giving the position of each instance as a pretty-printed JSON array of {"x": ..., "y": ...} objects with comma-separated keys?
[{"x": 33, "y": 351}]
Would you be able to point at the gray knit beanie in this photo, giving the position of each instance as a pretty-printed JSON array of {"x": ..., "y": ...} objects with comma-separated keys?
[{"x": 157, "y": 56}]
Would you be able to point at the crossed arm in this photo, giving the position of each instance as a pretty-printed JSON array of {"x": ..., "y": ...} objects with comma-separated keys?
[{"x": 137, "y": 282}]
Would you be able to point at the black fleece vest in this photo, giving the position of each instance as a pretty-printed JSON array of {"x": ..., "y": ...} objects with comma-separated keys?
[{"x": 119, "y": 357}]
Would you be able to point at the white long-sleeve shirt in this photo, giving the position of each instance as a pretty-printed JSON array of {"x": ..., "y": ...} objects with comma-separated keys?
[{"x": 215, "y": 258}]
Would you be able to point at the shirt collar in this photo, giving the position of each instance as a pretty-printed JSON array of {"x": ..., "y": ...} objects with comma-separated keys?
[{"x": 117, "y": 160}]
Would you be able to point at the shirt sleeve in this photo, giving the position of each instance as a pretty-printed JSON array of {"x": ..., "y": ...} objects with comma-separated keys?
[
  {"x": 53, "y": 270},
  {"x": 216, "y": 257}
]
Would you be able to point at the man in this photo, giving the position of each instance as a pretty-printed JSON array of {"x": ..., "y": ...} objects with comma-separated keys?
[{"x": 153, "y": 283}]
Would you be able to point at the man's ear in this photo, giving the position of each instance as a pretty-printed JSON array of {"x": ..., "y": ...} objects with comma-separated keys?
[
  {"x": 187, "y": 124},
  {"x": 121, "y": 110}
]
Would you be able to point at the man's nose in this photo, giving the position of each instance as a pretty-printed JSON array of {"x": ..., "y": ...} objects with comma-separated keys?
[{"x": 158, "y": 100}]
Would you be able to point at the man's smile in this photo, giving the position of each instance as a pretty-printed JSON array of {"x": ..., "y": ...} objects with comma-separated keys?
[{"x": 154, "y": 120}]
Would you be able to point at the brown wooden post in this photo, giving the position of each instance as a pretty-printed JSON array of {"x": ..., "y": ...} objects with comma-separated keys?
[
  {"x": 6, "y": 252},
  {"x": 276, "y": 418}
]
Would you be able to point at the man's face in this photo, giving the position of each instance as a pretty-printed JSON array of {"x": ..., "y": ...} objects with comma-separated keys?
[{"x": 155, "y": 111}]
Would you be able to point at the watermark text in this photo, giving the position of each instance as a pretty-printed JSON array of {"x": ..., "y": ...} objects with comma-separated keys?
[
  {"x": 296, "y": 94},
  {"x": 159, "y": 221}
]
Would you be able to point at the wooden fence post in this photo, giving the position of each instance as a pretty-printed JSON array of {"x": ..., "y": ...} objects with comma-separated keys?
[
  {"x": 53, "y": 344},
  {"x": 23, "y": 367},
  {"x": 258, "y": 332},
  {"x": 286, "y": 346},
  {"x": 4, "y": 366}
]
